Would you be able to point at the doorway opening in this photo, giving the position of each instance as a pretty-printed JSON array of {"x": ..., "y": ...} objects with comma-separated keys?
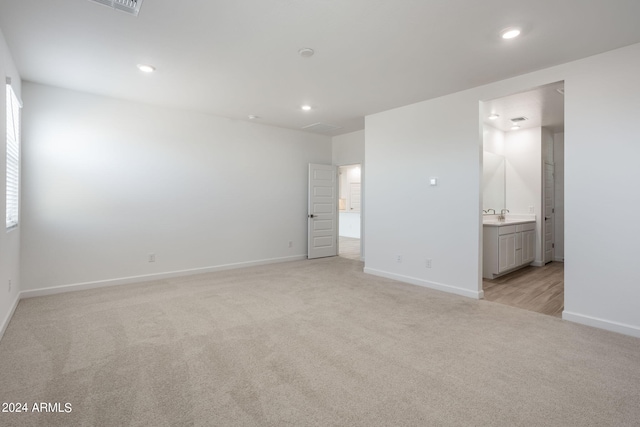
[
  {"x": 349, "y": 211},
  {"x": 523, "y": 199}
]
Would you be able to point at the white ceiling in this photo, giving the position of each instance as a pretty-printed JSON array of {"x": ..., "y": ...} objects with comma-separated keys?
[
  {"x": 542, "y": 106},
  {"x": 236, "y": 58}
]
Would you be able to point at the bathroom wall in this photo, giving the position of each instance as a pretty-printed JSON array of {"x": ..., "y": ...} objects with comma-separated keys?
[
  {"x": 493, "y": 140},
  {"x": 523, "y": 153}
]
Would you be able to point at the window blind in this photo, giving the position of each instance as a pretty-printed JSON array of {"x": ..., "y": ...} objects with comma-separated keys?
[{"x": 13, "y": 156}]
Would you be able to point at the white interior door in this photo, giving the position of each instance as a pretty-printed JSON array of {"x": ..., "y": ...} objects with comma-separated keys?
[
  {"x": 548, "y": 212},
  {"x": 323, "y": 211}
]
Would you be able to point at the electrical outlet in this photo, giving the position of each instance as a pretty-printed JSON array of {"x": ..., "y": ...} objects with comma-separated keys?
[
  {"x": 399, "y": 259},
  {"x": 530, "y": 209},
  {"x": 152, "y": 257},
  {"x": 290, "y": 244},
  {"x": 9, "y": 285},
  {"x": 427, "y": 263}
]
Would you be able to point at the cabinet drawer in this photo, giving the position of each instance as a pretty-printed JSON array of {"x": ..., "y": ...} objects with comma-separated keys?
[
  {"x": 506, "y": 229},
  {"x": 526, "y": 227}
]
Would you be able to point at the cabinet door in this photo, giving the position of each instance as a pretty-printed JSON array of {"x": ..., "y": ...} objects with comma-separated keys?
[
  {"x": 506, "y": 252},
  {"x": 519, "y": 255},
  {"x": 519, "y": 252},
  {"x": 528, "y": 246}
]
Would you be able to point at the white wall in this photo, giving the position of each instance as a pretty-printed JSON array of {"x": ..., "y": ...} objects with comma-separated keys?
[
  {"x": 493, "y": 140},
  {"x": 348, "y": 149},
  {"x": 558, "y": 231},
  {"x": 442, "y": 137},
  {"x": 349, "y": 225},
  {"x": 407, "y": 217},
  {"x": 602, "y": 150},
  {"x": 523, "y": 153},
  {"x": 9, "y": 242},
  {"x": 107, "y": 182}
]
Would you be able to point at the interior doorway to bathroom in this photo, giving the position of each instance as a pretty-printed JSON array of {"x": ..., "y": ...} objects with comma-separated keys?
[
  {"x": 523, "y": 176},
  {"x": 349, "y": 208}
]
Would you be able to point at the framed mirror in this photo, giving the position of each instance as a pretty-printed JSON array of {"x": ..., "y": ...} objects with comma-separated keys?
[{"x": 493, "y": 181}]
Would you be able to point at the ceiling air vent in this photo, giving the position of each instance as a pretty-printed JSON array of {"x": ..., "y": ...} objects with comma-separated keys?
[
  {"x": 518, "y": 119},
  {"x": 129, "y": 6},
  {"x": 321, "y": 128}
]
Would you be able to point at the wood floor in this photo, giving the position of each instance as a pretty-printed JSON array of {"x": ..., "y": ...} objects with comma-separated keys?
[
  {"x": 349, "y": 247},
  {"x": 539, "y": 289}
]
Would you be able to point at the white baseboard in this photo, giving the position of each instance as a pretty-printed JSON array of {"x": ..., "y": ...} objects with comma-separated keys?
[
  {"x": 558, "y": 259},
  {"x": 608, "y": 325},
  {"x": 424, "y": 283},
  {"x": 7, "y": 319},
  {"x": 148, "y": 277}
]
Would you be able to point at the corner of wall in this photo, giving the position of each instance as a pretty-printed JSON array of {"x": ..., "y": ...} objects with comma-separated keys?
[
  {"x": 10, "y": 283},
  {"x": 7, "y": 318}
]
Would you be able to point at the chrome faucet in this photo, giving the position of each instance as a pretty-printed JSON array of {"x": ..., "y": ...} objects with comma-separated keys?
[
  {"x": 502, "y": 212},
  {"x": 494, "y": 211}
]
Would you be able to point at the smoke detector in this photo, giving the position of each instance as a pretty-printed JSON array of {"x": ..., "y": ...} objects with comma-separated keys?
[
  {"x": 129, "y": 6},
  {"x": 306, "y": 52}
]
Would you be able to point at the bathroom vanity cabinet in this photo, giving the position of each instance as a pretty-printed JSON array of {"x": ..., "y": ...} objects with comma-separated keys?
[{"x": 507, "y": 247}]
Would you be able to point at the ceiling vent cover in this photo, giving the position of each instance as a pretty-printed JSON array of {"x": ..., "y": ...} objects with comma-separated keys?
[
  {"x": 321, "y": 128},
  {"x": 518, "y": 119},
  {"x": 129, "y": 6}
]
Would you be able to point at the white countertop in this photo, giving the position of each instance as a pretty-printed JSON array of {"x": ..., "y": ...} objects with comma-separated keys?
[
  {"x": 498, "y": 223},
  {"x": 511, "y": 219}
]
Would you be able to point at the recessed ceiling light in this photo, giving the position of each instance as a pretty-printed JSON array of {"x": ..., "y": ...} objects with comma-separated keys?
[
  {"x": 146, "y": 68},
  {"x": 509, "y": 33},
  {"x": 306, "y": 108},
  {"x": 515, "y": 127},
  {"x": 493, "y": 116},
  {"x": 306, "y": 52},
  {"x": 253, "y": 117}
]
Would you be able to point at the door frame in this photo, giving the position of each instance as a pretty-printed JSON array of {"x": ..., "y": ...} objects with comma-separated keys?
[
  {"x": 362, "y": 205},
  {"x": 480, "y": 219},
  {"x": 551, "y": 217}
]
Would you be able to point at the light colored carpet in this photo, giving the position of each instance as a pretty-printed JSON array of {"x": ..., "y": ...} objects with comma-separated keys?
[{"x": 309, "y": 343}]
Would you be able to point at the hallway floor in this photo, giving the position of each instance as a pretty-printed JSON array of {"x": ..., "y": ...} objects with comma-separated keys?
[
  {"x": 349, "y": 247},
  {"x": 539, "y": 289}
]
